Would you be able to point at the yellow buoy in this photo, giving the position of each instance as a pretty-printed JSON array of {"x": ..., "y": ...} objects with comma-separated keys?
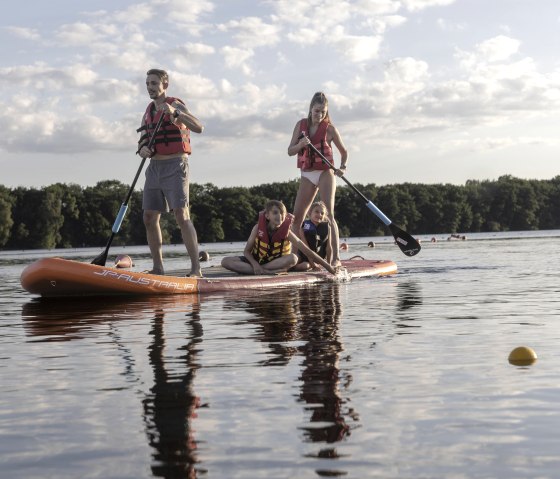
[{"x": 522, "y": 356}]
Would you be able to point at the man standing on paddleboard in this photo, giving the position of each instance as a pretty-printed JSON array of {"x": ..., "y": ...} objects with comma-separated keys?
[{"x": 167, "y": 176}]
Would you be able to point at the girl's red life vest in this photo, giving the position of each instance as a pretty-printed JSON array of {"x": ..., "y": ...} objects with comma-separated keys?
[
  {"x": 170, "y": 138},
  {"x": 309, "y": 160},
  {"x": 267, "y": 248}
]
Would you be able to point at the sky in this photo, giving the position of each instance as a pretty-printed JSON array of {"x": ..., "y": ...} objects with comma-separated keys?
[{"x": 422, "y": 91}]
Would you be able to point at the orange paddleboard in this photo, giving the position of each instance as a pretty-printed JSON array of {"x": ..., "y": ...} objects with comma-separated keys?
[{"x": 51, "y": 277}]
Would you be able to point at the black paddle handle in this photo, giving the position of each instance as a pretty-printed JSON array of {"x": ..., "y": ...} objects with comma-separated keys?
[
  {"x": 102, "y": 258},
  {"x": 150, "y": 145}
]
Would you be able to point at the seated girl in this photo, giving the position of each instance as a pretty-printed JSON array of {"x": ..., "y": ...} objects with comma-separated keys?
[{"x": 269, "y": 247}]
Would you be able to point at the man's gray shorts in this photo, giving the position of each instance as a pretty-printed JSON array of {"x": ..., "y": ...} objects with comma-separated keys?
[{"x": 167, "y": 185}]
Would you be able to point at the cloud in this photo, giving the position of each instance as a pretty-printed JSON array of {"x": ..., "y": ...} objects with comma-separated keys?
[
  {"x": 56, "y": 132},
  {"x": 236, "y": 58},
  {"x": 483, "y": 144},
  {"x": 184, "y": 57},
  {"x": 189, "y": 85},
  {"x": 40, "y": 76},
  {"x": 252, "y": 32},
  {"x": 185, "y": 11},
  {"x": 252, "y": 76},
  {"x": 78, "y": 33},
  {"x": 378, "y": 7},
  {"x": 416, "y": 5},
  {"x": 23, "y": 32},
  {"x": 496, "y": 49},
  {"x": 138, "y": 13},
  {"x": 447, "y": 26},
  {"x": 307, "y": 12},
  {"x": 356, "y": 48},
  {"x": 354, "y": 29}
]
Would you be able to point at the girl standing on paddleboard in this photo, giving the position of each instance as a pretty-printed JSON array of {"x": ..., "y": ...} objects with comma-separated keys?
[{"x": 318, "y": 131}]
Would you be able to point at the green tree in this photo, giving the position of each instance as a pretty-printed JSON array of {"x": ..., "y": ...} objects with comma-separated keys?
[
  {"x": 548, "y": 197},
  {"x": 514, "y": 204},
  {"x": 68, "y": 216},
  {"x": 285, "y": 192},
  {"x": 134, "y": 220},
  {"x": 206, "y": 213},
  {"x": 240, "y": 210},
  {"x": 429, "y": 201},
  {"x": 37, "y": 215},
  {"x": 70, "y": 227},
  {"x": 6, "y": 221},
  {"x": 101, "y": 204},
  {"x": 453, "y": 209}
]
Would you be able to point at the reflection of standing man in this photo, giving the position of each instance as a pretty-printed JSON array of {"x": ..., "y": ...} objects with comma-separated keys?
[
  {"x": 167, "y": 176},
  {"x": 171, "y": 404}
]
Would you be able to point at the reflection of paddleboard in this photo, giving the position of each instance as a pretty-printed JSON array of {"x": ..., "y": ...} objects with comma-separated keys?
[
  {"x": 76, "y": 317},
  {"x": 52, "y": 277}
]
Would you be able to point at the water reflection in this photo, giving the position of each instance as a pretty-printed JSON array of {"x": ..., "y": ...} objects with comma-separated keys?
[
  {"x": 320, "y": 310},
  {"x": 409, "y": 297},
  {"x": 305, "y": 322},
  {"x": 77, "y": 318},
  {"x": 301, "y": 324},
  {"x": 275, "y": 321},
  {"x": 169, "y": 406}
]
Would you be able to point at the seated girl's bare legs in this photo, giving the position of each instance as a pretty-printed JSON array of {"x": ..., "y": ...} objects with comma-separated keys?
[
  {"x": 303, "y": 266},
  {"x": 234, "y": 263},
  {"x": 278, "y": 265},
  {"x": 282, "y": 264}
]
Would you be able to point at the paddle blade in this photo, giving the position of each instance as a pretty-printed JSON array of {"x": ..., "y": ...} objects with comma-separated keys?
[
  {"x": 408, "y": 245},
  {"x": 101, "y": 259}
]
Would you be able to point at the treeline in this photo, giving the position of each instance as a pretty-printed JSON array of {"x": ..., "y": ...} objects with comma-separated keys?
[{"x": 68, "y": 215}]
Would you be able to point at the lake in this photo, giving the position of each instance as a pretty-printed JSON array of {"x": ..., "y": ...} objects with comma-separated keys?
[{"x": 398, "y": 377}]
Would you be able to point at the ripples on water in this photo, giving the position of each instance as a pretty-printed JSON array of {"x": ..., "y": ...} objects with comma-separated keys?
[{"x": 400, "y": 377}]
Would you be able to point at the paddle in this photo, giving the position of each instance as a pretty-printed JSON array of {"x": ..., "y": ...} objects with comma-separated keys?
[
  {"x": 408, "y": 245},
  {"x": 102, "y": 258}
]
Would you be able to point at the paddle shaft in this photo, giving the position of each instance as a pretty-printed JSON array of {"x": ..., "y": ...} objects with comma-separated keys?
[
  {"x": 368, "y": 202},
  {"x": 102, "y": 258},
  {"x": 407, "y": 244}
]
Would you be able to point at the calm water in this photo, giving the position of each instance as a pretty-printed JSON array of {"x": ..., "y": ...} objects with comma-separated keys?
[{"x": 400, "y": 377}]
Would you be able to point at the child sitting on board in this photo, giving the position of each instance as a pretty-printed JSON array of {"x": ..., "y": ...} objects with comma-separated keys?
[
  {"x": 316, "y": 232},
  {"x": 269, "y": 247}
]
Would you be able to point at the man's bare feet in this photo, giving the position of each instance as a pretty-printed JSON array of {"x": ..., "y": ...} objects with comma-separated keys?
[{"x": 155, "y": 271}]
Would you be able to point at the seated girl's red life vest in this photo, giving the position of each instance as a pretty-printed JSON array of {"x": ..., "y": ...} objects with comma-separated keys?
[
  {"x": 309, "y": 160},
  {"x": 267, "y": 248},
  {"x": 170, "y": 138}
]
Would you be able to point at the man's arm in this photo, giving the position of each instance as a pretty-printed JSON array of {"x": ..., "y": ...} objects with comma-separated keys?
[{"x": 181, "y": 114}]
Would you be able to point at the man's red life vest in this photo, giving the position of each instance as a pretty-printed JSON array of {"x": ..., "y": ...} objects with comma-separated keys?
[
  {"x": 309, "y": 160},
  {"x": 170, "y": 138},
  {"x": 267, "y": 248}
]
